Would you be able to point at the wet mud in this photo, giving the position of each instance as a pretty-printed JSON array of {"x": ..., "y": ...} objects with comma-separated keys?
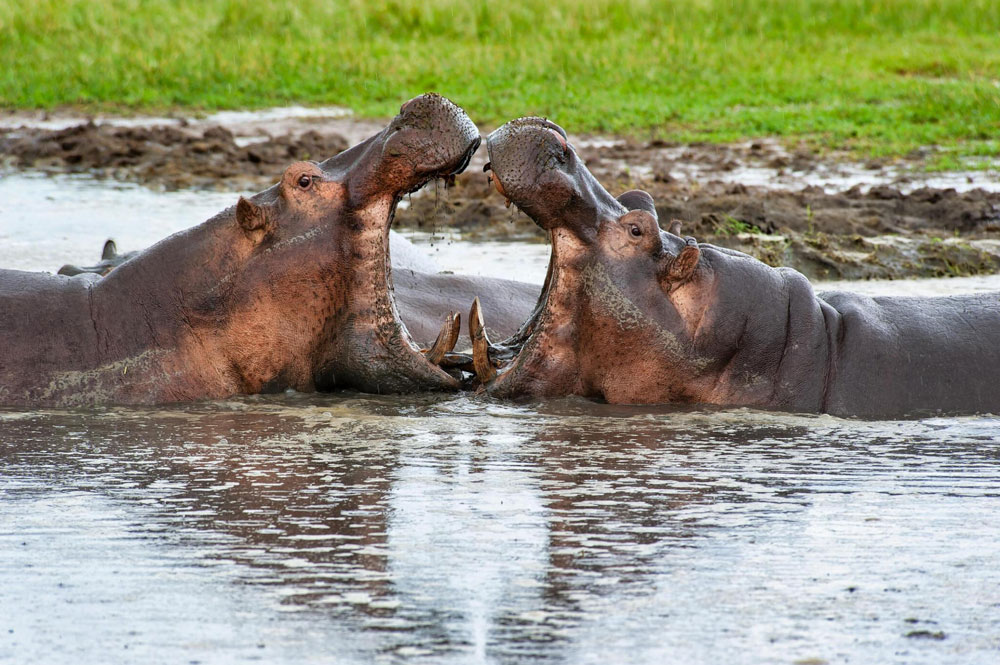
[
  {"x": 761, "y": 197},
  {"x": 166, "y": 157}
]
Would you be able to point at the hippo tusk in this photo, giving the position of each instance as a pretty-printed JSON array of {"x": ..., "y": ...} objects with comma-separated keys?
[
  {"x": 446, "y": 339},
  {"x": 481, "y": 361}
]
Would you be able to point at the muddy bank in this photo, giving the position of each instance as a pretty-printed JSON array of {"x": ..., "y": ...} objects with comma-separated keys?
[
  {"x": 894, "y": 226},
  {"x": 826, "y": 217},
  {"x": 166, "y": 156}
]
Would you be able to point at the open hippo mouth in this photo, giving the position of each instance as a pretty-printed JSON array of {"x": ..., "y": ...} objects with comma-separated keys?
[
  {"x": 533, "y": 165},
  {"x": 431, "y": 138}
]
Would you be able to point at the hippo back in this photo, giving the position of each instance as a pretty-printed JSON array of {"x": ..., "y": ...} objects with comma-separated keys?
[
  {"x": 915, "y": 356},
  {"x": 35, "y": 303}
]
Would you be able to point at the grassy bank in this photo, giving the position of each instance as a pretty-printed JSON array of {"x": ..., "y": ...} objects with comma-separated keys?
[{"x": 879, "y": 76}]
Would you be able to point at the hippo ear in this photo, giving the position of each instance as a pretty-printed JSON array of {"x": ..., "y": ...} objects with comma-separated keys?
[
  {"x": 637, "y": 199},
  {"x": 110, "y": 250},
  {"x": 680, "y": 268},
  {"x": 255, "y": 220}
]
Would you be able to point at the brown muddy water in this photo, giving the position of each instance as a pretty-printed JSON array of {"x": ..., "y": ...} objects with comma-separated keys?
[
  {"x": 354, "y": 529},
  {"x": 345, "y": 528}
]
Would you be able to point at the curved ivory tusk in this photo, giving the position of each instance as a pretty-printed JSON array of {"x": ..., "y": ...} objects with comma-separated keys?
[
  {"x": 446, "y": 339},
  {"x": 480, "y": 345}
]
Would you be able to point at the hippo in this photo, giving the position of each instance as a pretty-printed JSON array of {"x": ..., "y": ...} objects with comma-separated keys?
[
  {"x": 290, "y": 288},
  {"x": 424, "y": 294},
  {"x": 635, "y": 314}
]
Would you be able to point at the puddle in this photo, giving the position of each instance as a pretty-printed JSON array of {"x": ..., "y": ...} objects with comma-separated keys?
[
  {"x": 48, "y": 221},
  {"x": 522, "y": 261},
  {"x": 767, "y": 163}
]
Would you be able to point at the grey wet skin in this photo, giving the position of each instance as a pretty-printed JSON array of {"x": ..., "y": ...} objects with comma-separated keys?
[
  {"x": 633, "y": 314},
  {"x": 288, "y": 289},
  {"x": 423, "y": 296}
]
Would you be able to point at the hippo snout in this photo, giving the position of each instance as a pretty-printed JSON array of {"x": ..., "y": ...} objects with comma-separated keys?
[
  {"x": 433, "y": 135},
  {"x": 531, "y": 162}
]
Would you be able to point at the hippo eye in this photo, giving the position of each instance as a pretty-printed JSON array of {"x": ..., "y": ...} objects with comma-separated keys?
[
  {"x": 634, "y": 230},
  {"x": 305, "y": 181}
]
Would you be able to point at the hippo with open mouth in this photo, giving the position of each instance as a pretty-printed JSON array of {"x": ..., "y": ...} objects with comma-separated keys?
[
  {"x": 291, "y": 288},
  {"x": 633, "y": 314}
]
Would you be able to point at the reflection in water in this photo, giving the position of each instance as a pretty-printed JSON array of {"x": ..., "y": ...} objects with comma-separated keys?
[{"x": 349, "y": 528}]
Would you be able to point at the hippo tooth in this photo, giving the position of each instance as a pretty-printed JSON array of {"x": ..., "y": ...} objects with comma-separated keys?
[
  {"x": 446, "y": 339},
  {"x": 480, "y": 345}
]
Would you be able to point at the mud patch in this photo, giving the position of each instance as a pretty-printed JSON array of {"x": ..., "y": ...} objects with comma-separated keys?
[
  {"x": 165, "y": 156},
  {"x": 875, "y": 234}
]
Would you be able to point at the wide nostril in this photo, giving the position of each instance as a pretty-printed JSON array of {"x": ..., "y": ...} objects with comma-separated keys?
[
  {"x": 560, "y": 138},
  {"x": 556, "y": 128}
]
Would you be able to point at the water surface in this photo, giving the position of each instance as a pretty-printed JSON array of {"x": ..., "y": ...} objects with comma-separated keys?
[{"x": 348, "y": 528}]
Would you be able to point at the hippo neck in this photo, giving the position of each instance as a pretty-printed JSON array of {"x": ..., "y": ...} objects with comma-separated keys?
[
  {"x": 201, "y": 309},
  {"x": 548, "y": 363},
  {"x": 371, "y": 347},
  {"x": 168, "y": 280},
  {"x": 779, "y": 348},
  {"x": 370, "y": 269}
]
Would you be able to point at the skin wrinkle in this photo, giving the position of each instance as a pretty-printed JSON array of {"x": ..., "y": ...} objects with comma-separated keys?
[
  {"x": 598, "y": 284},
  {"x": 93, "y": 320},
  {"x": 724, "y": 373},
  {"x": 704, "y": 273},
  {"x": 833, "y": 345},
  {"x": 786, "y": 344},
  {"x": 696, "y": 334},
  {"x": 195, "y": 335}
]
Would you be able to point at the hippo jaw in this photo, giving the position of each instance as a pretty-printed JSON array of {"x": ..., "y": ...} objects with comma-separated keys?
[
  {"x": 374, "y": 352},
  {"x": 617, "y": 294},
  {"x": 532, "y": 164}
]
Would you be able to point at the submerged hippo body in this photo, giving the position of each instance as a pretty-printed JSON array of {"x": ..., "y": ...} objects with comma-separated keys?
[
  {"x": 634, "y": 314},
  {"x": 288, "y": 289},
  {"x": 424, "y": 294}
]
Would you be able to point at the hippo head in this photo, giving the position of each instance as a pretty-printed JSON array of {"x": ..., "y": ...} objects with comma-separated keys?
[
  {"x": 354, "y": 195},
  {"x": 293, "y": 285},
  {"x": 623, "y": 299}
]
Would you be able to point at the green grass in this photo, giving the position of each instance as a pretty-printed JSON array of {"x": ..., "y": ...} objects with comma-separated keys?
[{"x": 879, "y": 77}]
